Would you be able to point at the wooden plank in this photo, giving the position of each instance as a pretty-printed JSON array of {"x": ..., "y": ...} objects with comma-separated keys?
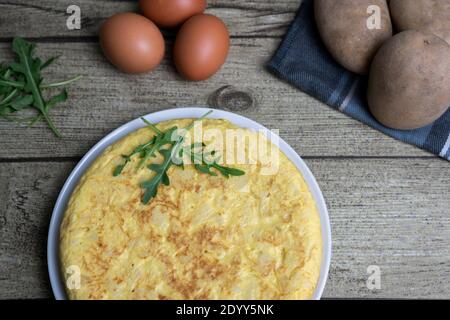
[
  {"x": 393, "y": 213},
  {"x": 48, "y": 18},
  {"x": 105, "y": 99},
  {"x": 27, "y": 194}
]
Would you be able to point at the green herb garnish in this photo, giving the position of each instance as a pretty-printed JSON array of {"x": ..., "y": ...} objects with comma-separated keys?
[
  {"x": 21, "y": 86},
  {"x": 203, "y": 165},
  {"x": 169, "y": 145}
]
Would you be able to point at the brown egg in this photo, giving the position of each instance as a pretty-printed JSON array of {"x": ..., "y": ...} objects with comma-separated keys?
[
  {"x": 201, "y": 47},
  {"x": 171, "y": 13},
  {"x": 132, "y": 43}
]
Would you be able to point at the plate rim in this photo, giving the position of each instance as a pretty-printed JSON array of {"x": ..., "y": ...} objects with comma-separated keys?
[{"x": 58, "y": 212}]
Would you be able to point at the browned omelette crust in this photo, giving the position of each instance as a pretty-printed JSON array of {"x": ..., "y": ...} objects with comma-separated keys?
[{"x": 203, "y": 237}]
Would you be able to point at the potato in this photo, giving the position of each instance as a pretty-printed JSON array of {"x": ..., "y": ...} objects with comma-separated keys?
[
  {"x": 409, "y": 82},
  {"x": 344, "y": 30},
  {"x": 425, "y": 15}
]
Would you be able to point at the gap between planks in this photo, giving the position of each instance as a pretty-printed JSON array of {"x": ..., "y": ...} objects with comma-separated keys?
[
  {"x": 77, "y": 159},
  {"x": 95, "y": 39}
]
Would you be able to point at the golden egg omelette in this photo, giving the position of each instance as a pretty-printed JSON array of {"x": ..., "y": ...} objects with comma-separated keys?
[{"x": 255, "y": 236}]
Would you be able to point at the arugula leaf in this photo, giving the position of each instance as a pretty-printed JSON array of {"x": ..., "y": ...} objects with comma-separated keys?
[
  {"x": 49, "y": 62},
  {"x": 59, "y": 98},
  {"x": 9, "y": 97},
  {"x": 11, "y": 83},
  {"x": 22, "y": 102},
  {"x": 205, "y": 169},
  {"x": 31, "y": 68},
  {"x": 204, "y": 165},
  {"x": 151, "y": 125},
  {"x": 162, "y": 139},
  {"x": 118, "y": 170},
  {"x": 21, "y": 86},
  {"x": 226, "y": 171},
  {"x": 151, "y": 186},
  {"x": 173, "y": 149},
  {"x": 149, "y": 149},
  {"x": 61, "y": 83}
]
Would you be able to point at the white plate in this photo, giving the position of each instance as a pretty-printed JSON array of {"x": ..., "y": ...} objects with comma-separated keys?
[{"x": 179, "y": 113}]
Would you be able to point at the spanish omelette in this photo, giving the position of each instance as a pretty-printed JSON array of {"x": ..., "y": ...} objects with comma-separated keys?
[{"x": 257, "y": 236}]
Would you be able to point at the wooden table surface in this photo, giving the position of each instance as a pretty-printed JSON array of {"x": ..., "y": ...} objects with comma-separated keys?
[{"x": 389, "y": 202}]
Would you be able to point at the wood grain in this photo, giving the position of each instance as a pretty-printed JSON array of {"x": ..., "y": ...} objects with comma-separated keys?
[
  {"x": 393, "y": 213},
  {"x": 105, "y": 99},
  {"x": 47, "y": 18}
]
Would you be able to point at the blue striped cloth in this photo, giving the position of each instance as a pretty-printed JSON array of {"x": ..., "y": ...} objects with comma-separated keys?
[{"x": 303, "y": 61}]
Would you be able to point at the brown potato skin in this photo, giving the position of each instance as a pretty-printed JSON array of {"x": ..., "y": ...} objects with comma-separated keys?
[
  {"x": 409, "y": 82},
  {"x": 343, "y": 28},
  {"x": 425, "y": 15}
]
